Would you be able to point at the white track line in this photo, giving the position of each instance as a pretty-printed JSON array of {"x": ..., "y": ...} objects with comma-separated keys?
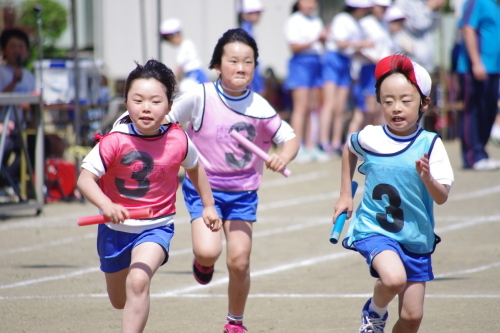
[
  {"x": 187, "y": 250},
  {"x": 50, "y": 278},
  {"x": 469, "y": 271},
  {"x": 295, "y": 295},
  {"x": 475, "y": 194},
  {"x": 64, "y": 218},
  {"x": 468, "y": 222},
  {"x": 49, "y": 244},
  {"x": 272, "y": 270},
  {"x": 260, "y": 295}
]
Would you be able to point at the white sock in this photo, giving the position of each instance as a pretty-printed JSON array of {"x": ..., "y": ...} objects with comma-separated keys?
[
  {"x": 236, "y": 319},
  {"x": 374, "y": 308}
]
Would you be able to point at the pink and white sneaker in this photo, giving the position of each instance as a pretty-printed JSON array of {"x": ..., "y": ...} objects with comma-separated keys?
[{"x": 234, "y": 328}]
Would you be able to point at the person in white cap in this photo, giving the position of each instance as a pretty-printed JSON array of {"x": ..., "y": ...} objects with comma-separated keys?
[
  {"x": 345, "y": 41},
  {"x": 406, "y": 171},
  {"x": 366, "y": 111},
  {"x": 188, "y": 70},
  {"x": 250, "y": 12},
  {"x": 401, "y": 41}
]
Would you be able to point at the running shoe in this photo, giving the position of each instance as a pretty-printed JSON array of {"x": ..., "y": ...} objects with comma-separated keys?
[
  {"x": 486, "y": 164},
  {"x": 234, "y": 328},
  {"x": 371, "y": 321},
  {"x": 202, "y": 274},
  {"x": 304, "y": 156},
  {"x": 320, "y": 155},
  {"x": 326, "y": 147}
]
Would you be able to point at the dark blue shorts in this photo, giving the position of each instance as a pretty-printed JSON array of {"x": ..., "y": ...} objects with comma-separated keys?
[
  {"x": 229, "y": 205},
  {"x": 418, "y": 267},
  {"x": 115, "y": 247}
]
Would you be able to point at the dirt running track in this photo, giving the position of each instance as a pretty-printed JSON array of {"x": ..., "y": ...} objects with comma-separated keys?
[{"x": 50, "y": 280}]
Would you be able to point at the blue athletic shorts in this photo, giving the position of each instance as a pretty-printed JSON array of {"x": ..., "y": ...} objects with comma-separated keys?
[
  {"x": 115, "y": 247},
  {"x": 304, "y": 71},
  {"x": 229, "y": 205},
  {"x": 418, "y": 267},
  {"x": 367, "y": 80},
  {"x": 337, "y": 69},
  {"x": 365, "y": 86},
  {"x": 359, "y": 97}
]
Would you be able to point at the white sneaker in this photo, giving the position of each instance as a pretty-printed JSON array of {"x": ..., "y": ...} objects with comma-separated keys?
[
  {"x": 494, "y": 140},
  {"x": 303, "y": 156},
  {"x": 320, "y": 156},
  {"x": 486, "y": 164}
]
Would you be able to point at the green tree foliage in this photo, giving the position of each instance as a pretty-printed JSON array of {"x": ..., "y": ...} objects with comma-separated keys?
[{"x": 54, "y": 22}]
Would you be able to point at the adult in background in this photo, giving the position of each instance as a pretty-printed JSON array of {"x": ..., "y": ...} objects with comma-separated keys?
[{"x": 479, "y": 70}]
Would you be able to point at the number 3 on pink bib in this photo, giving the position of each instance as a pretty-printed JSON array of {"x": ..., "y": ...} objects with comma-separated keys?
[{"x": 254, "y": 149}]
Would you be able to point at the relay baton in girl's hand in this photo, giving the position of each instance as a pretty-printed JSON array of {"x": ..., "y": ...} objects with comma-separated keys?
[
  {"x": 140, "y": 213},
  {"x": 339, "y": 222},
  {"x": 254, "y": 149}
]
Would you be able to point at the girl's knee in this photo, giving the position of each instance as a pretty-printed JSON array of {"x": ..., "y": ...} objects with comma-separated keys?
[
  {"x": 206, "y": 257},
  {"x": 239, "y": 265},
  {"x": 138, "y": 281},
  {"x": 411, "y": 322},
  {"x": 411, "y": 318},
  {"x": 395, "y": 284}
]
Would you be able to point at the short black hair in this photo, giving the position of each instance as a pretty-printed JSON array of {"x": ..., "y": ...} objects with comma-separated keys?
[
  {"x": 9, "y": 33},
  {"x": 153, "y": 69},
  {"x": 233, "y": 36}
]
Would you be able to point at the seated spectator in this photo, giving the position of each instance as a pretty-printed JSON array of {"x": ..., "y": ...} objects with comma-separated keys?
[{"x": 14, "y": 44}]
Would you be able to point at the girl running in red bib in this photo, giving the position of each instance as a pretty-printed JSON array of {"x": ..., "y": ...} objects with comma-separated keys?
[{"x": 135, "y": 166}]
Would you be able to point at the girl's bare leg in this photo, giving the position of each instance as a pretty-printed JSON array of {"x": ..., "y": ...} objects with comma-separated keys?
[
  {"x": 411, "y": 308},
  {"x": 239, "y": 245},
  {"x": 146, "y": 258}
]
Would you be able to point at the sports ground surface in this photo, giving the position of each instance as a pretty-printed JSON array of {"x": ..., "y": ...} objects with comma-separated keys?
[{"x": 50, "y": 280}]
